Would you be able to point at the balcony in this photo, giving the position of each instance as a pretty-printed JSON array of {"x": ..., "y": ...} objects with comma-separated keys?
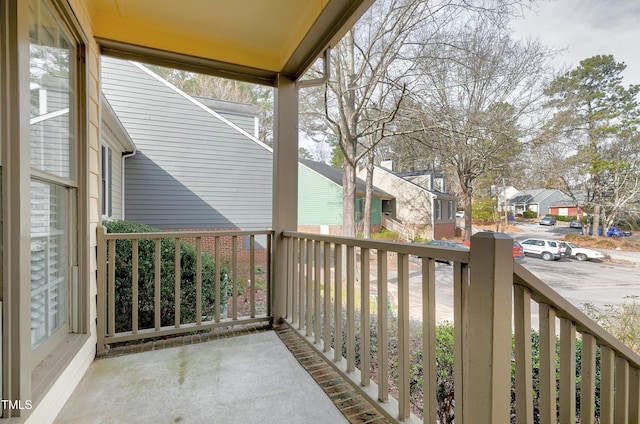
[{"x": 494, "y": 303}]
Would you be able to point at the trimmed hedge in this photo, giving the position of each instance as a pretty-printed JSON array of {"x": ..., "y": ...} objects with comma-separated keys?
[{"x": 146, "y": 280}]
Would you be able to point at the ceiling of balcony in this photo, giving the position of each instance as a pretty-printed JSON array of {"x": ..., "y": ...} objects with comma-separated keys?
[{"x": 257, "y": 37}]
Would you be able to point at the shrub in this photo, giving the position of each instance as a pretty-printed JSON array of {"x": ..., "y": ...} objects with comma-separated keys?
[
  {"x": 482, "y": 210},
  {"x": 146, "y": 280},
  {"x": 621, "y": 320},
  {"x": 529, "y": 214}
]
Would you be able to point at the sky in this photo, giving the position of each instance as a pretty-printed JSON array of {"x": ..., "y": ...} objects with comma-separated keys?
[{"x": 585, "y": 28}]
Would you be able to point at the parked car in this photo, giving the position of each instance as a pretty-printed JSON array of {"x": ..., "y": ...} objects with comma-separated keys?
[
  {"x": 547, "y": 220},
  {"x": 615, "y": 232},
  {"x": 518, "y": 251},
  {"x": 549, "y": 250},
  {"x": 583, "y": 254},
  {"x": 459, "y": 214},
  {"x": 446, "y": 243},
  {"x": 575, "y": 223}
]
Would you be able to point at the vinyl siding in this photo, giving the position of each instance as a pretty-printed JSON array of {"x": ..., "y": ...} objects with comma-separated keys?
[
  {"x": 192, "y": 169},
  {"x": 319, "y": 199},
  {"x": 246, "y": 122},
  {"x": 413, "y": 203}
]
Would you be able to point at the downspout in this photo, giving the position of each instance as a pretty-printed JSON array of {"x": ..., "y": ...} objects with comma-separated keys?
[
  {"x": 326, "y": 73},
  {"x": 125, "y": 155}
]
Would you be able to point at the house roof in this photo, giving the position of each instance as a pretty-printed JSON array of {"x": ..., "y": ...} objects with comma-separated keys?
[
  {"x": 532, "y": 196},
  {"x": 580, "y": 197},
  {"x": 401, "y": 176},
  {"x": 243, "y": 39},
  {"x": 335, "y": 175}
]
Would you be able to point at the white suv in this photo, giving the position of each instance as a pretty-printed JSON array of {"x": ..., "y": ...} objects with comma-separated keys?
[{"x": 549, "y": 250}]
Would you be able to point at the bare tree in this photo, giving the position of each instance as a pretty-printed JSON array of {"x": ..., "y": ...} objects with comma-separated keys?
[
  {"x": 477, "y": 96},
  {"x": 367, "y": 87}
]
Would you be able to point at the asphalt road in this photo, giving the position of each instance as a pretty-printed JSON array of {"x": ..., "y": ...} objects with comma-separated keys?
[{"x": 597, "y": 283}]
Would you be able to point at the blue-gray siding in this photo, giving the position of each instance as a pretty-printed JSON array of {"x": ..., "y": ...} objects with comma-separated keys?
[{"x": 192, "y": 169}]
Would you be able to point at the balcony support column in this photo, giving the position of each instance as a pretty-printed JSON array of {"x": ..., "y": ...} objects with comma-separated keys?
[
  {"x": 285, "y": 186},
  {"x": 487, "y": 384}
]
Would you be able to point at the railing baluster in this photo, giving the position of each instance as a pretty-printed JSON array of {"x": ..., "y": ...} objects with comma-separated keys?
[
  {"x": 327, "y": 297},
  {"x": 199, "y": 280},
  {"x": 111, "y": 284},
  {"x": 157, "y": 282},
  {"x": 547, "y": 364},
  {"x": 177, "y": 284},
  {"x": 296, "y": 280},
  {"x": 309, "y": 287},
  {"x": 522, "y": 327},
  {"x": 252, "y": 274},
  {"x": 268, "y": 275},
  {"x": 101, "y": 307},
  {"x": 588, "y": 379},
  {"x": 429, "y": 341},
  {"x": 234, "y": 266},
  {"x": 622, "y": 391},
  {"x": 337, "y": 315},
  {"x": 290, "y": 279},
  {"x": 460, "y": 322},
  {"x": 365, "y": 318},
  {"x": 351, "y": 325},
  {"x": 301, "y": 291},
  {"x": 383, "y": 328},
  {"x": 404, "y": 409},
  {"x": 567, "y": 371},
  {"x": 634, "y": 395},
  {"x": 316, "y": 293},
  {"x": 607, "y": 373},
  {"x": 134, "y": 286}
]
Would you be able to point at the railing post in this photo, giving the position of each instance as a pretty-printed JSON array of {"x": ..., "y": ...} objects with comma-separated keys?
[
  {"x": 488, "y": 368},
  {"x": 101, "y": 307}
]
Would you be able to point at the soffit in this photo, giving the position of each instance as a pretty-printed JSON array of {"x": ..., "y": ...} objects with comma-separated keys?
[{"x": 261, "y": 37}]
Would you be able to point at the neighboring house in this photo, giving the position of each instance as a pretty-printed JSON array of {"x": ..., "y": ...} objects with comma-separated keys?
[
  {"x": 570, "y": 206},
  {"x": 428, "y": 211},
  {"x": 115, "y": 146},
  {"x": 501, "y": 194},
  {"x": 198, "y": 165},
  {"x": 194, "y": 168},
  {"x": 535, "y": 200},
  {"x": 320, "y": 199}
]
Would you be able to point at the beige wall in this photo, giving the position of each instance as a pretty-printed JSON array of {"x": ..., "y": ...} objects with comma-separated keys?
[{"x": 413, "y": 204}]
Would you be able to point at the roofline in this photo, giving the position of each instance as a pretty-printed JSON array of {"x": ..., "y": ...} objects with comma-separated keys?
[
  {"x": 393, "y": 174},
  {"x": 111, "y": 115},
  {"x": 202, "y": 106}
]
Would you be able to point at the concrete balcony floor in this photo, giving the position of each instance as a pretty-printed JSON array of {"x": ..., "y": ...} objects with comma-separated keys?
[{"x": 253, "y": 377}]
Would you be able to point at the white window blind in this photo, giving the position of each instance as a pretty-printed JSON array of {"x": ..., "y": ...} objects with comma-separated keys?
[{"x": 49, "y": 264}]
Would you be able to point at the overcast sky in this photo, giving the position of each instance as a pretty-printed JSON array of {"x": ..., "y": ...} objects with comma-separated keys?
[{"x": 587, "y": 28}]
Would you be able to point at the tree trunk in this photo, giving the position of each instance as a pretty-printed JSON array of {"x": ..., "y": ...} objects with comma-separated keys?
[
  {"x": 368, "y": 197},
  {"x": 348, "y": 199}
]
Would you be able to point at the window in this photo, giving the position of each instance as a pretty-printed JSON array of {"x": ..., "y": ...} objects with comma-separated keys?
[
  {"x": 450, "y": 210},
  {"x": 438, "y": 209},
  {"x": 53, "y": 175},
  {"x": 105, "y": 175}
]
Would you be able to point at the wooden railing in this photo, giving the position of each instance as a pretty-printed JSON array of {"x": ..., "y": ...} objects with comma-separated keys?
[
  {"x": 237, "y": 269},
  {"x": 489, "y": 291},
  {"x": 617, "y": 368}
]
